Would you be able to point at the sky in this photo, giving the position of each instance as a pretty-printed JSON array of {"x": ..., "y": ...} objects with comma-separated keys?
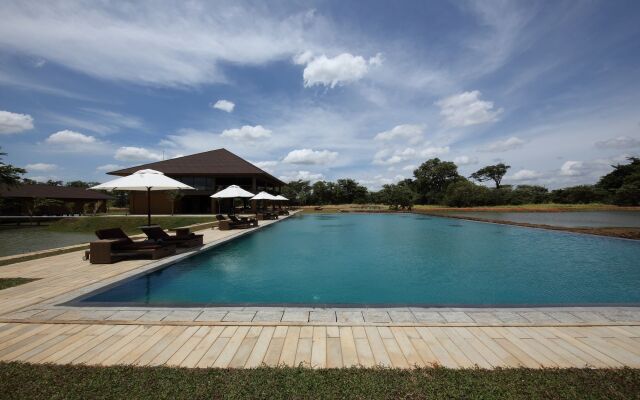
[{"x": 322, "y": 90}]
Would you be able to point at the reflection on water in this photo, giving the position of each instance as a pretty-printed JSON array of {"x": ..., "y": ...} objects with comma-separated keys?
[
  {"x": 24, "y": 239},
  {"x": 577, "y": 219}
]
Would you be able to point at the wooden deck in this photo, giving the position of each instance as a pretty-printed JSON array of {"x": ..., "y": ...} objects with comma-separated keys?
[
  {"x": 321, "y": 346},
  {"x": 33, "y": 328}
]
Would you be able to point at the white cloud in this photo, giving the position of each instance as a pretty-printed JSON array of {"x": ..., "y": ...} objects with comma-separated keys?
[
  {"x": 504, "y": 145},
  {"x": 109, "y": 167},
  {"x": 303, "y": 58},
  {"x": 412, "y": 133},
  {"x": 409, "y": 167},
  {"x": 525, "y": 175},
  {"x": 14, "y": 122},
  {"x": 247, "y": 132},
  {"x": 304, "y": 175},
  {"x": 309, "y": 156},
  {"x": 465, "y": 160},
  {"x": 620, "y": 142},
  {"x": 335, "y": 71},
  {"x": 173, "y": 44},
  {"x": 224, "y": 105},
  {"x": 388, "y": 157},
  {"x": 466, "y": 109},
  {"x": 40, "y": 167},
  {"x": 67, "y": 137},
  {"x": 130, "y": 153},
  {"x": 434, "y": 151},
  {"x": 574, "y": 168},
  {"x": 99, "y": 121}
]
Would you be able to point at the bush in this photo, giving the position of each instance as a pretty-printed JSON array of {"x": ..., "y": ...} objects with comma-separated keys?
[
  {"x": 529, "y": 194},
  {"x": 463, "y": 193},
  {"x": 581, "y": 194}
]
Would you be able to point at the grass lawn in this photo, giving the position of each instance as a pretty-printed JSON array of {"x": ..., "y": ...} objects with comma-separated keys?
[
  {"x": 18, "y": 380},
  {"x": 10, "y": 282},
  {"x": 128, "y": 224}
]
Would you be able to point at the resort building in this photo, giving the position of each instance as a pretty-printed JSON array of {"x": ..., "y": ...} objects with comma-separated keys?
[
  {"x": 40, "y": 199},
  {"x": 207, "y": 173}
]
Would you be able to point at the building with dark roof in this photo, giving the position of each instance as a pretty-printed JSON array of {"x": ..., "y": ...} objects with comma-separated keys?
[
  {"x": 207, "y": 172},
  {"x": 28, "y": 199}
]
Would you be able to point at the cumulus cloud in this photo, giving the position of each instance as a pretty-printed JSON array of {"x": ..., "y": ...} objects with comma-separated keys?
[
  {"x": 247, "y": 132},
  {"x": 573, "y": 168},
  {"x": 40, "y": 167},
  {"x": 620, "y": 142},
  {"x": 504, "y": 145},
  {"x": 410, "y": 167},
  {"x": 224, "y": 105},
  {"x": 466, "y": 109},
  {"x": 465, "y": 160},
  {"x": 412, "y": 133},
  {"x": 68, "y": 137},
  {"x": 309, "y": 156},
  {"x": 303, "y": 175},
  {"x": 389, "y": 157},
  {"x": 338, "y": 70},
  {"x": 14, "y": 123},
  {"x": 525, "y": 175},
  {"x": 109, "y": 167},
  {"x": 130, "y": 153}
]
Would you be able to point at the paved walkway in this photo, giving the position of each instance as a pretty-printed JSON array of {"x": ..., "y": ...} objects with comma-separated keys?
[{"x": 34, "y": 328}]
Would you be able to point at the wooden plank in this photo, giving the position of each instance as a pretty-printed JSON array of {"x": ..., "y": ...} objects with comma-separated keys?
[
  {"x": 158, "y": 347},
  {"x": 78, "y": 352},
  {"x": 442, "y": 356},
  {"x": 272, "y": 358},
  {"x": 365, "y": 355},
  {"x": 130, "y": 347},
  {"x": 81, "y": 338},
  {"x": 506, "y": 359},
  {"x": 188, "y": 347},
  {"x": 246, "y": 347},
  {"x": 454, "y": 351},
  {"x": 348, "y": 347},
  {"x": 377, "y": 347},
  {"x": 319, "y": 347},
  {"x": 232, "y": 346},
  {"x": 89, "y": 356},
  {"x": 473, "y": 348},
  {"x": 303, "y": 351},
  {"x": 290, "y": 347},
  {"x": 207, "y": 350},
  {"x": 539, "y": 345},
  {"x": 561, "y": 356},
  {"x": 260, "y": 349},
  {"x": 41, "y": 340},
  {"x": 527, "y": 346},
  {"x": 426, "y": 355},
  {"x": 567, "y": 337},
  {"x": 68, "y": 341},
  {"x": 174, "y": 346},
  {"x": 334, "y": 353},
  {"x": 409, "y": 352}
]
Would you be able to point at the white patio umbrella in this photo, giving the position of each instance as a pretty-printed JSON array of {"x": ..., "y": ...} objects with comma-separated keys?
[
  {"x": 264, "y": 196},
  {"x": 144, "y": 180},
  {"x": 281, "y": 198},
  {"x": 232, "y": 192}
]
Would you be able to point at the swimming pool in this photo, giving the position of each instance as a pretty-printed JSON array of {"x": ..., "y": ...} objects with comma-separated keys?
[{"x": 392, "y": 260}]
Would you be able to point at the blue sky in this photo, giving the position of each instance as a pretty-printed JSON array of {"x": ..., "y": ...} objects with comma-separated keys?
[{"x": 322, "y": 90}]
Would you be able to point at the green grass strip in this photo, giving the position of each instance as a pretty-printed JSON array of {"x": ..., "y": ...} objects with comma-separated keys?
[
  {"x": 18, "y": 380},
  {"x": 11, "y": 282},
  {"x": 128, "y": 224}
]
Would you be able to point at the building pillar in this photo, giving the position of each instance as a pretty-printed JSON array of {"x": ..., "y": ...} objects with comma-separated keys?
[{"x": 254, "y": 187}]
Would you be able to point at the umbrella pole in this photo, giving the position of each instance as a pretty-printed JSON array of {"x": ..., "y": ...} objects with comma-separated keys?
[{"x": 148, "y": 206}]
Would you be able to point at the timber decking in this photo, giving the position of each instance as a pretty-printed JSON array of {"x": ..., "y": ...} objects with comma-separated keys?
[{"x": 321, "y": 346}]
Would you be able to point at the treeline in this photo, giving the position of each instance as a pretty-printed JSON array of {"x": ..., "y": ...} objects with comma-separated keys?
[{"x": 438, "y": 182}]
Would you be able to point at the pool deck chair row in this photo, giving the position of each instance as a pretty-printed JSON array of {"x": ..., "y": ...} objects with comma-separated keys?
[
  {"x": 233, "y": 222},
  {"x": 115, "y": 245}
]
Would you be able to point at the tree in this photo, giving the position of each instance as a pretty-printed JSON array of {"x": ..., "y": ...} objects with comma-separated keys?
[
  {"x": 623, "y": 183},
  {"x": 493, "y": 173},
  {"x": 81, "y": 184},
  {"x": 297, "y": 191},
  {"x": 529, "y": 194},
  {"x": 51, "y": 182},
  {"x": 398, "y": 195},
  {"x": 464, "y": 193},
  {"x": 432, "y": 179},
  {"x": 9, "y": 175},
  {"x": 581, "y": 194},
  {"x": 349, "y": 191}
]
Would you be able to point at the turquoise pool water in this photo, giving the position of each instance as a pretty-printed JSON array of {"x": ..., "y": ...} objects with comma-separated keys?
[{"x": 401, "y": 259}]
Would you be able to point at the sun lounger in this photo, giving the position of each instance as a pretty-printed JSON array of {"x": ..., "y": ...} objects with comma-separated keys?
[
  {"x": 243, "y": 220},
  {"x": 115, "y": 245},
  {"x": 158, "y": 235}
]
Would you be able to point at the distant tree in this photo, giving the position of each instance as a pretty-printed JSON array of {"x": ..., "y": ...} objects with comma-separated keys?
[
  {"x": 349, "y": 191},
  {"x": 9, "y": 175},
  {"x": 581, "y": 194},
  {"x": 493, "y": 173},
  {"x": 529, "y": 194},
  {"x": 81, "y": 184},
  {"x": 622, "y": 183},
  {"x": 432, "y": 179},
  {"x": 321, "y": 193},
  {"x": 398, "y": 195},
  {"x": 464, "y": 193},
  {"x": 27, "y": 181},
  {"x": 299, "y": 192},
  {"x": 51, "y": 182}
]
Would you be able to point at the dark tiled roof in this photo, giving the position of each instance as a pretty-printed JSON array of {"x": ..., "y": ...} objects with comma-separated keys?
[
  {"x": 51, "y": 192},
  {"x": 214, "y": 162}
]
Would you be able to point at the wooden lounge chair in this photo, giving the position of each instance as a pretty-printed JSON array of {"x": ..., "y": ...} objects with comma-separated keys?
[
  {"x": 158, "y": 235},
  {"x": 115, "y": 245},
  {"x": 243, "y": 220}
]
